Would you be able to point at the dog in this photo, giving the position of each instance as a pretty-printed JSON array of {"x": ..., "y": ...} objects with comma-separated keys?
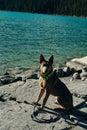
[{"x": 50, "y": 84}]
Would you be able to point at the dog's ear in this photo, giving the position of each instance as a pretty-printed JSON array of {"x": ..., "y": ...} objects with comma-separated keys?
[
  {"x": 51, "y": 60},
  {"x": 41, "y": 58}
]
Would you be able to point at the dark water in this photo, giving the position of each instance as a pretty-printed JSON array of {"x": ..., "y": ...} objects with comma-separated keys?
[{"x": 24, "y": 36}]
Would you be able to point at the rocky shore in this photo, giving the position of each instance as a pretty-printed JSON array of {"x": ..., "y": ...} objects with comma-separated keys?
[{"x": 19, "y": 87}]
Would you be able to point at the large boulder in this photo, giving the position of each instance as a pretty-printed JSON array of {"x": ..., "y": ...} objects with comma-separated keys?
[
  {"x": 82, "y": 60},
  {"x": 78, "y": 64}
]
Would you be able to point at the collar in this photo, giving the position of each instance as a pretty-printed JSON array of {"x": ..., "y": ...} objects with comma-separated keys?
[{"x": 46, "y": 77}]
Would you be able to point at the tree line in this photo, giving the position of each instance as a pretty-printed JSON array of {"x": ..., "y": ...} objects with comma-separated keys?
[{"x": 61, "y": 7}]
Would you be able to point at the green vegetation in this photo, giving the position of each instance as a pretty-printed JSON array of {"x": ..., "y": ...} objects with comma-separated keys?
[{"x": 61, "y": 7}]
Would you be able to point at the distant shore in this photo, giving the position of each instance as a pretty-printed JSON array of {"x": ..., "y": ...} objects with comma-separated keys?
[
  {"x": 47, "y": 14},
  {"x": 70, "y": 7}
]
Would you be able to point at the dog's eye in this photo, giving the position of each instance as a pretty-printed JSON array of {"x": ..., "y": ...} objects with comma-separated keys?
[{"x": 44, "y": 65}]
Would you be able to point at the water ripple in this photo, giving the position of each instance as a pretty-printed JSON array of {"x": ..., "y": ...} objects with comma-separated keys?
[{"x": 23, "y": 37}]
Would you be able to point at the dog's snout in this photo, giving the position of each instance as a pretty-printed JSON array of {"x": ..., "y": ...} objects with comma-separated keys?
[{"x": 44, "y": 70}]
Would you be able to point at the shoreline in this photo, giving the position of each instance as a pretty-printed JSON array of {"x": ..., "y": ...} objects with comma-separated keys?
[
  {"x": 46, "y": 14},
  {"x": 75, "y": 68}
]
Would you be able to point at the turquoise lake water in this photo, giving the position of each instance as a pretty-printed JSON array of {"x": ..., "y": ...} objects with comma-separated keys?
[{"x": 24, "y": 36}]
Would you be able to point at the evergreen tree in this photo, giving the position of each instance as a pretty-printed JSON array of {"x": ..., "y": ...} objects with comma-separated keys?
[{"x": 62, "y": 7}]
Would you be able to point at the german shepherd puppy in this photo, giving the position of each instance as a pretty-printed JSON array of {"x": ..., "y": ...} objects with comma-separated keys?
[{"x": 51, "y": 84}]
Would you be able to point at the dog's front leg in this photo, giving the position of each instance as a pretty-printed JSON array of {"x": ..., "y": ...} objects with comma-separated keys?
[
  {"x": 39, "y": 96},
  {"x": 44, "y": 101}
]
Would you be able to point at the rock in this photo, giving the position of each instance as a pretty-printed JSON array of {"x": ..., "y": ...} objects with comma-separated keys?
[
  {"x": 18, "y": 70},
  {"x": 84, "y": 69},
  {"x": 82, "y": 60},
  {"x": 18, "y": 79},
  {"x": 28, "y": 74},
  {"x": 1, "y": 83},
  {"x": 1, "y": 98},
  {"x": 7, "y": 78},
  {"x": 76, "y": 76},
  {"x": 83, "y": 78},
  {"x": 83, "y": 74},
  {"x": 74, "y": 66},
  {"x": 6, "y": 73},
  {"x": 77, "y": 64},
  {"x": 60, "y": 72},
  {"x": 66, "y": 71},
  {"x": 15, "y": 76},
  {"x": 32, "y": 76}
]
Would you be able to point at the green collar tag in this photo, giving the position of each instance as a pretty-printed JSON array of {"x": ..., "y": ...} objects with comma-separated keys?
[{"x": 45, "y": 77}]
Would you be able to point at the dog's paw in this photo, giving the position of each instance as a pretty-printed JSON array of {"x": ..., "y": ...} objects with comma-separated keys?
[
  {"x": 40, "y": 108},
  {"x": 34, "y": 103},
  {"x": 56, "y": 102}
]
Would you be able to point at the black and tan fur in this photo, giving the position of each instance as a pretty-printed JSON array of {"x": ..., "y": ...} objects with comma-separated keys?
[{"x": 52, "y": 85}]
